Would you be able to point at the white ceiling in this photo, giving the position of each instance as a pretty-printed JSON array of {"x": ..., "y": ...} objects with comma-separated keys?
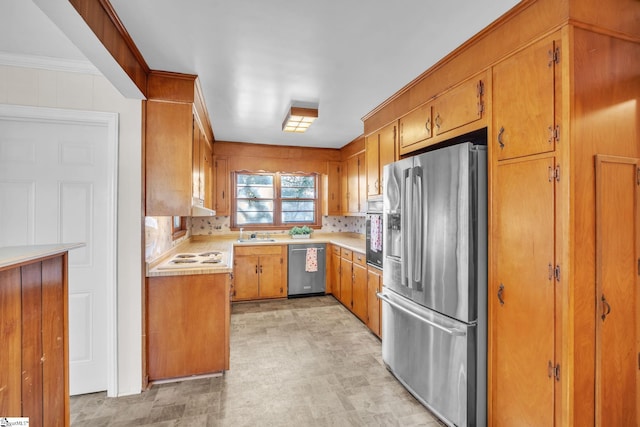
[{"x": 255, "y": 57}]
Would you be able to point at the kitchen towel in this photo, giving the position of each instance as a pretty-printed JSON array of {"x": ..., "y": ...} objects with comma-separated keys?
[
  {"x": 376, "y": 233},
  {"x": 311, "y": 264}
]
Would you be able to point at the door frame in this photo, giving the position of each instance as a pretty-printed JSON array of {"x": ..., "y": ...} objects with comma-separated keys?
[{"x": 110, "y": 121}]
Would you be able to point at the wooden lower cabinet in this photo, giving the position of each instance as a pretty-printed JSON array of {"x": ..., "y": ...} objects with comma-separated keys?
[
  {"x": 260, "y": 272},
  {"x": 346, "y": 278},
  {"x": 187, "y": 325},
  {"x": 34, "y": 366},
  {"x": 359, "y": 287},
  {"x": 374, "y": 306},
  {"x": 334, "y": 272}
]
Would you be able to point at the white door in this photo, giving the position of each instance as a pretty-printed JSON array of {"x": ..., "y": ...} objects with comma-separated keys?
[{"x": 57, "y": 179}]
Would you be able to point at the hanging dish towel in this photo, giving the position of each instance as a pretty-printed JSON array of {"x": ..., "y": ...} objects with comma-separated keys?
[
  {"x": 311, "y": 264},
  {"x": 376, "y": 233}
]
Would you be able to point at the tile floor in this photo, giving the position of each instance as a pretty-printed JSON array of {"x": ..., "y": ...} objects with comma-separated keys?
[{"x": 298, "y": 362}]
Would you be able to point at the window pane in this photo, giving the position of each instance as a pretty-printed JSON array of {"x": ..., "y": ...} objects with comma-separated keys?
[
  {"x": 255, "y": 205},
  {"x": 265, "y": 180},
  {"x": 297, "y": 181},
  {"x": 297, "y": 217},
  {"x": 290, "y": 206},
  {"x": 298, "y": 193},
  {"x": 245, "y": 218},
  {"x": 251, "y": 192}
]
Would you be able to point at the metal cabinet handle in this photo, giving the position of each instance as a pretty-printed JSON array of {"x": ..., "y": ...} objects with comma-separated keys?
[
  {"x": 427, "y": 125},
  {"x": 438, "y": 121},
  {"x": 500, "y": 133},
  {"x": 606, "y": 308},
  {"x": 454, "y": 332},
  {"x": 256, "y": 268},
  {"x": 500, "y": 292}
]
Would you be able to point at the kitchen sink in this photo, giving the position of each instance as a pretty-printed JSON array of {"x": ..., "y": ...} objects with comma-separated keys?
[{"x": 257, "y": 239}]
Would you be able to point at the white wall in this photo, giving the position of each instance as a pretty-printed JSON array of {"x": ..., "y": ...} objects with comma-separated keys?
[{"x": 69, "y": 90}]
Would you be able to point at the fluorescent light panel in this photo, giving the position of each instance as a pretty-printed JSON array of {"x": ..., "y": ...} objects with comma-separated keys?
[{"x": 299, "y": 119}]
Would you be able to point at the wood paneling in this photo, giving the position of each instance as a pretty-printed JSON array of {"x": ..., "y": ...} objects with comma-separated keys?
[
  {"x": 174, "y": 87},
  {"x": 11, "y": 360},
  {"x": 32, "y": 387},
  {"x": 103, "y": 21}
]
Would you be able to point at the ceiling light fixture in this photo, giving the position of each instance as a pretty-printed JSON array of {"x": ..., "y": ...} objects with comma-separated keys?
[{"x": 299, "y": 119}]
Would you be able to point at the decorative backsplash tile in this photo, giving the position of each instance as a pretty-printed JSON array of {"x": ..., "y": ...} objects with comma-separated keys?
[{"x": 330, "y": 224}]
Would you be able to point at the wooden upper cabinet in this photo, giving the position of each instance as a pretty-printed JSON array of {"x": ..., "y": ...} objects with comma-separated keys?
[
  {"x": 354, "y": 185},
  {"x": 168, "y": 158},
  {"x": 380, "y": 149},
  {"x": 523, "y": 102},
  {"x": 416, "y": 127},
  {"x": 333, "y": 188},
  {"x": 460, "y": 106},
  {"x": 221, "y": 186}
]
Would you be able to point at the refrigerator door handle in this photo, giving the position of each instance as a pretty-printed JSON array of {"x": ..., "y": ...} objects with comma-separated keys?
[
  {"x": 453, "y": 332},
  {"x": 419, "y": 221},
  {"x": 406, "y": 226}
]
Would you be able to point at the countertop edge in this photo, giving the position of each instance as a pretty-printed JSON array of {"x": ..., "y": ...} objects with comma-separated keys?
[{"x": 13, "y": 255}]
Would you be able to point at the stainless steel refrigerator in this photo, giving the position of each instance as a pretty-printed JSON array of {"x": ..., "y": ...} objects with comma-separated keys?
[{"x": 434, "y": 320}]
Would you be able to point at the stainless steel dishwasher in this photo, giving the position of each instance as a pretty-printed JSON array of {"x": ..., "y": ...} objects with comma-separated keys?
[{"x": 301, "y": 281}]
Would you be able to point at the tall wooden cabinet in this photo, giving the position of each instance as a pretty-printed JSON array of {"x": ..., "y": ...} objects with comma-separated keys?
[
  {"x": 559, "y": 108},
  {"x": 380, "y": 150},
  {"x": 34, "y": 366}
]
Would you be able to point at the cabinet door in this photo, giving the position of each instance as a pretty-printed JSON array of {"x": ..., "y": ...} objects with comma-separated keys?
[
  {"x": 522, "y": 298},
  {"x": 206, "y": 157},
  {"x": 617, "y": 295},
  {"x": 359, "y": 291},
  {"x": 353, "y": 185},
  {"x": 372, "y": 156},
  {"x": 196, "y": 166},
  {"x": 374, "y": 281},
  {"x": 460, "y": 106},
  {"x": 387, "y": 151},
  {"x": 346, "y": 281},
  {"x": 333, "y": 190},
  {"x": 335, "y": 275},
  {"x": 245, "y": 270},
  {"x": 416, "y": 127},
  {"x": 523, "y": 102},
  {"x": 168, "y": 158},
  {"x": 272, "y": 277},
  {"x": 344, "y": 187},
  {"x": 362, "y": 184},
  {"x": 221, "y": 186}
]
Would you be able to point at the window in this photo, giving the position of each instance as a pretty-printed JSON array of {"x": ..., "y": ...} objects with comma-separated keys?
[
  {"x": 178, "y": 227},
  {"x": 272, "y": 200}
]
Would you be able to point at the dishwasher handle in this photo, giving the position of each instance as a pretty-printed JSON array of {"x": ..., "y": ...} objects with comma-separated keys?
[
  {"x": 454, "y": 332},
  {"x": 304, "y": 250}
]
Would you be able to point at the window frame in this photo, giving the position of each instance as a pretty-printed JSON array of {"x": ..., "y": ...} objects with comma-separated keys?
[
  {"x": 277, "y": 202},
  {"x": 178, "y": 231}
]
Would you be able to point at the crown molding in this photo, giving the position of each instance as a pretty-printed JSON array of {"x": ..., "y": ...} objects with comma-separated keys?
[{"x": 48, "y": 63}]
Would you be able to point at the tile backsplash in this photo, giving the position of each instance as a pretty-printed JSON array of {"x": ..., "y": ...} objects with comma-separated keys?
[{"x": 330, "y": 224}]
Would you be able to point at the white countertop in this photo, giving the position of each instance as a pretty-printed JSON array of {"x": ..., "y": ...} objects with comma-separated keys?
[
  {"x": 13, "y": 255},
  {"x": 355, "y": 242}
]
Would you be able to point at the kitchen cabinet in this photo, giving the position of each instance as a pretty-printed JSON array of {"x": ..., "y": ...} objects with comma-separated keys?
[
  {"x": 221, "y": 186},
  {"x": 354, "y": 185},
  {"x": 380, "y": 149},
  {"x": 332, "y": 193},
  {"x": 334, "y": 274},
  {"x": 359, "y": 295},
  {"x": 374, "y": 305},
  {"x": 416, "y": 128},
  {"x": 617, "y": 296},
  {"x": 346, "y": 277},
  {"x": 523, "y": 102},
  {"x": 260, "y": 272},
  {"x": 523, "y": 294},
  {"x": 177, "y": 145},
  {"x": 187, "y": 325},
  {"x": 34, "y": 367},
  {"x": 461, "y": 106}
]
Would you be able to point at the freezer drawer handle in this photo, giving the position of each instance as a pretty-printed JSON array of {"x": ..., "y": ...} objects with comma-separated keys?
[{"x": 454, "y": 332}]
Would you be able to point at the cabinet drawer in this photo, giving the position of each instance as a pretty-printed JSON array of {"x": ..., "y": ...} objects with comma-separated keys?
[
  {"x": 258, "y": 250},
  {"x": 335, "y": 250},
  {"x": 346, "y": 253},
  {"x": 359, "y": 258}
]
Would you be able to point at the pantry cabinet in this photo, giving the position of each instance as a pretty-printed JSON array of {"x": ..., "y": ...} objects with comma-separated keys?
[
  {"x": 380, "y": 149},
  {"x": 374, "y": 305},
  {"x": 187, "y": 325},
  {"x": 260, "y": 272}
]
